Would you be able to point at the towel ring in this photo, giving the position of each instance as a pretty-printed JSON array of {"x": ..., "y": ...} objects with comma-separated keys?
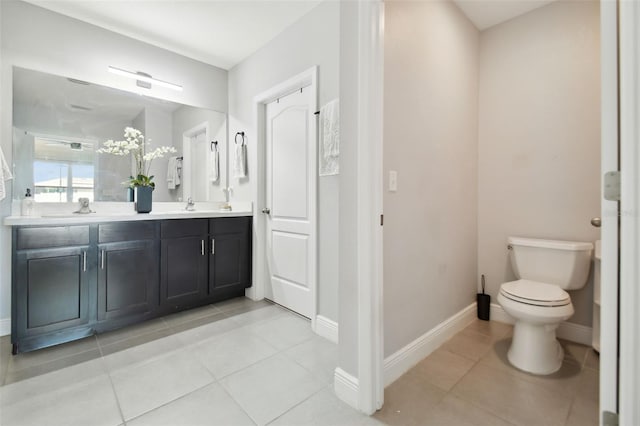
[{"x": 242, "y": 142}]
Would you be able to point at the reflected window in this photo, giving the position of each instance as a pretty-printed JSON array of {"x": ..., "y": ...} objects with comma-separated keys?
[{"x": 61, "y": 172}]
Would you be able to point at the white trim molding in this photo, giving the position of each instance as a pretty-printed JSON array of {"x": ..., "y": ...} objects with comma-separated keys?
[
  {"x": 346, "y": 387},
  {"x": 629, "y": 297},
  {"x": 404, "y": 359},
  {"x": 566, "y": 330},
  {"x": 327, "y": 328},
  {"x": 5, "y": 326}
]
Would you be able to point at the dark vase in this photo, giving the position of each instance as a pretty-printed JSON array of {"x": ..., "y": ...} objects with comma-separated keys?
[{"x": 143, "y": 199}]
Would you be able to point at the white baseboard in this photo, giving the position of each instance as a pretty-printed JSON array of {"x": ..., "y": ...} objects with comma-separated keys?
[
  {"x": 327, "y": 328},
  {"x": 5, "y": 326},
  {"x": 346, "y": 387},
  {"x": 404, "y": 359},
  {"x": 567, "y": 330}
]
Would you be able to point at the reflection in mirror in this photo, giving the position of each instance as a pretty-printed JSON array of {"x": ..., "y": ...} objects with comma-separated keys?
[{"x": 59, "y": 123}]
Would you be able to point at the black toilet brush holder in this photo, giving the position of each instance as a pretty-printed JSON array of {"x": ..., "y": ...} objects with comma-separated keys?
[{"x": 484, "y": 303}]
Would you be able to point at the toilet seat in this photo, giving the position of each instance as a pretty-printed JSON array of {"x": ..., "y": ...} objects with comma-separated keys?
[{"x": 535, "y": 293}]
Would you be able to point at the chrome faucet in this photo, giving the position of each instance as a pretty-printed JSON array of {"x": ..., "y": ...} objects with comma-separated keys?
[{"x": 191, "y": 206}]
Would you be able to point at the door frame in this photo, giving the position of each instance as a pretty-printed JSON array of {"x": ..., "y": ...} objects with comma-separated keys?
[
  {"x": 187, "y": 135},
  {"x": 629, "y": 93},
  {"x": 307, "y": 78}
]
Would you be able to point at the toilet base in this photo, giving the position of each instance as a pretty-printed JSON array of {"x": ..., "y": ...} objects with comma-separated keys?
[{"x": 534, "y": 348}]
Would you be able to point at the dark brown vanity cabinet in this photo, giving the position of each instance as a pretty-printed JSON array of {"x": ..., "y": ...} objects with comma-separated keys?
[
  {"x": 70, "y": 282},
  {"x": 184, "y": 257},
  {"x": 229, "y": 264},
  {"x": 128, "y": 264},
  {"x": 53, "y": 284}
]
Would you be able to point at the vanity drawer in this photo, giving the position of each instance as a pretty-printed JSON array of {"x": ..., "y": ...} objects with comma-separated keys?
[
  {"x": 126, "y": 231},
  {"x": 52, "y": 236},
  {"x": 177, "y": 228}
]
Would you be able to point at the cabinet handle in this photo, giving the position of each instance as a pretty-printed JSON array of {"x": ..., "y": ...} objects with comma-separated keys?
[
  {"x": 84, "y": 261},
  {"x": 102, "y": 260},
  {"x": 213, "y": 246},
  {"x": 202, "y": 247}
]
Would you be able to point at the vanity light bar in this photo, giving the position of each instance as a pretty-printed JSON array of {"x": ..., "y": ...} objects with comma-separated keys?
[{"x": 145, "y": 78}]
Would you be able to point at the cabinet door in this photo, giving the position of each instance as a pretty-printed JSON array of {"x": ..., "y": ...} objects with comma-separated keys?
[
  {"x": 183, "y": 277},
  {"x": 127, "y": 279},
  {"x": 230, "y": 255},
  {"x": 52, "y": 289}
]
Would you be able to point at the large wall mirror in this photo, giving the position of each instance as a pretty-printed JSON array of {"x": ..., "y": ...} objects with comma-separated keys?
[{"x": 60, "y": 123}]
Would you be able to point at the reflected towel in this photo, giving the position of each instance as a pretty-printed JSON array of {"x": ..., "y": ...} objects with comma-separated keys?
[
  {"x": 215, "y": 166},
  {"x": 240, "y": 161},
  {"x": 5, "y": 174},
  {"x": 329, "y": 155},
  {"x": 173, "y": 174}
]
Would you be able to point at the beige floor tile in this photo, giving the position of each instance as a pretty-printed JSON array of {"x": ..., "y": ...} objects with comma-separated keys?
[
  {"x": 271, "y": 387},
  {"x": 239, "y": 304},
  {"x": 574, "y": 352},
  {"x": 144, "y": 387},
  {"x": 494, "y": 329},
  {"x": 324, "y": 408},
  {"x": 318, "y": 355},
  {"x": 81, "y": 403},
  {"x": 565, "y": 380},
  {"x": 190, "y": 315},
  {"x": 5, "y": 356},
  {"x": 408, "y": 401},
  {"x": 592, "y": 360},
  {"x": 255, "y": 316},
  {"x": 230, "y": 352},
  {"x": 442, "y": 368},
  {"x": 46, "y": 355},
  {"x": 207, "y": 406},
  {"x": 140, "y": 349},
  {"x": 519, "y": 401},
  {"x": 283, "y": 331},
  {"x": 584, "y": 410},
  {"x": 14, "y": 376},
  {"x": 455, "y": 411},
  {"x": 194, "y": 332},
  {"x": 469, "y": 344},
  {"x": 131, "y": 331}
]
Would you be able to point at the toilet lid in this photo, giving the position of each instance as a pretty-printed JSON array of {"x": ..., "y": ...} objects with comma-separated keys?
[{"x": 535, "y": 293}]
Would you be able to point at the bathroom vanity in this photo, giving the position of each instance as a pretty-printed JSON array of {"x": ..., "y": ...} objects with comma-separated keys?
[{"x": 76, "y": 276}]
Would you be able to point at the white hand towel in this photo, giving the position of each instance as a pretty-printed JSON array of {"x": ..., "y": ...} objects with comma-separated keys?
[
  {"x": 172, "y": 173},
  {"x": 215, "y": 166},
  {"x": 5, "y": 174},
  {"x": 329, "y": 122},
  {"x": 240, "y": 161}
]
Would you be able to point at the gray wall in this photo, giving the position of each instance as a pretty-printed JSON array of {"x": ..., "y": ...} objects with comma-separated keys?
[
  {"x": 430, "y": 139},
  {"x": 539, "y": 162},
  {"x": 35, "y": 38},
  {"x": 313, "y": 40}
]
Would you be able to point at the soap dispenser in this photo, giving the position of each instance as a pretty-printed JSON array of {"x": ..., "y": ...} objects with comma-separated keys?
[{"x": 27, "y": 204}]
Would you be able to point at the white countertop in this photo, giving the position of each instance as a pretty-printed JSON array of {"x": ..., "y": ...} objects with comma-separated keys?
[{"x": 62, "y": 214}]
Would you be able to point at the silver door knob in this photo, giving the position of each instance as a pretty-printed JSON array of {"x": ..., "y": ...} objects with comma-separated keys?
[
  {"x": 266, "y": 210},
  {"x": 596, "y": 221}
]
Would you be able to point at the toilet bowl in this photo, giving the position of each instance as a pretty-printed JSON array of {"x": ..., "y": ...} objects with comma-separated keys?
[{"x": 538, "y": 301}]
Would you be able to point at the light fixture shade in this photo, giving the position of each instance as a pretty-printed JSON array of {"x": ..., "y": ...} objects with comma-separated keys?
[{"x": 144, "y": 77}]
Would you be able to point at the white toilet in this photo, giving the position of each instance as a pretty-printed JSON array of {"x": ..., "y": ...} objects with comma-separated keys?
[{"x": 538, "y": 300}]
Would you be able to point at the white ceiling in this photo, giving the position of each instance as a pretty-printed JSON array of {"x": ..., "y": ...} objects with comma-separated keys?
[
  {"x": 224, "y": 32},
  {"x": 218, "y": 32},
  {"x": 487, "y": 13}
]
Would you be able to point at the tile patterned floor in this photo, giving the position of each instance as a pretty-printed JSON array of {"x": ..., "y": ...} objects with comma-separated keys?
[
  {"x": 469, "y": 382},
  {"x": 245, "y": 363},
  {"x": 233, "y": 363}
]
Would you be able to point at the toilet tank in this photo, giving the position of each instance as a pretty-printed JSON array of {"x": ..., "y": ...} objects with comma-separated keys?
[{"x": 563, "y": 263}]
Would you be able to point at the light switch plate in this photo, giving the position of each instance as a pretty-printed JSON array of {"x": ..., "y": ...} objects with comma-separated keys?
[{"x": 393, "y": 180}]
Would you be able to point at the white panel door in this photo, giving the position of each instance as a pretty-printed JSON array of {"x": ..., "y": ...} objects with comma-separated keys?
[{"x": 290, "y": 212}]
